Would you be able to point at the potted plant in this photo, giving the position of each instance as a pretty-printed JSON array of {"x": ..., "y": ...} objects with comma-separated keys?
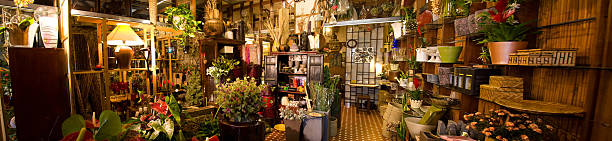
[
  {"x": 108, "y": 127},
  {"x": 449, "y": 54},
  {"x": 503, "y": 125},
  {"x": 162, "y": 123},
  {"x": 403, "y": 79},
  {"x": 292, "y": 117},
  {"x": 416, "y": 98},
  {"x": 240, "y": 101},
  {"x": 182, "y": 19},
  {"x": 221, "y": 66},
  {"x": 503, "y": 33}
]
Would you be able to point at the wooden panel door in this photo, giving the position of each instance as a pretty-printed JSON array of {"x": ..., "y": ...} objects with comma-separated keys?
[
  {"x": 315, "y": 68},
  {"x": 271, "y": 69},
  {"x": 40, "y": 88}
]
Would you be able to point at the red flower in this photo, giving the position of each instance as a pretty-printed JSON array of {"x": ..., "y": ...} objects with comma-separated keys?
[
  {"x": 335, "y": 7},
  {"x": 501, "y": 15},
  {"x": 416, "y": 82},
  {"x": 161, "y": 107}
]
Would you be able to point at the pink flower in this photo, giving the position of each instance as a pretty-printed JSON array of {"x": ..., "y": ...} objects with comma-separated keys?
[{"x": 335, "y": 7}]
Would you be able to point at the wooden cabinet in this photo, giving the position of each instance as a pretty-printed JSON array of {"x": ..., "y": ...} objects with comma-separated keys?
[
  {"x": 274, "y": 65},
  {"x": 271, "y": 68},
  {"x": 40, "y": 88}
]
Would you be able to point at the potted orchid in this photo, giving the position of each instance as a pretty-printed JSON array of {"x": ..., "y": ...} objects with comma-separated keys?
[
  {"x": 503, "y": 33},
  {"x": 503, "y": 125},
  {"x": 221, "y": 66},
  {"x": 240, "y": 101}
]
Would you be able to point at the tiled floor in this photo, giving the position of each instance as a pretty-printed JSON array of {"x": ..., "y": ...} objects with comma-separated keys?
[{"x": 356, "y": 126}]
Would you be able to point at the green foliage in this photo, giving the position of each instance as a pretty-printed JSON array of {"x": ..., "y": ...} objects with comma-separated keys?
[
  {"x": 416, "y": 94},
  {"x": 194, "y": 88},
  {"x": 225, "y": 64},
  {"x": 504, "y": 32},
  {"x": 323, "y": 96},
  {"x": 240, "y": 99},
  {"x": 185, "y": 21},
  {"x": 209, "y": 128},
  {"x": 25, "y": 23},
  {"x": 409, "y": 14},
  {"x": 72, "y": 124},
  {"x": 174, "y": 108},
  {"x": 485, "y": 55},
  {"x": 110, "y": 125},
  {"x": 404, "y": 75},
  {"x": 413, "y": 64}
]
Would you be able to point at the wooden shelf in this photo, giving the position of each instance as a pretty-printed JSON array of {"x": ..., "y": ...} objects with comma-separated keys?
[
  {"x": 441, "y": 62},
  {"x": 232, "y": 42},
  {"x": 560, "y": 67},
  {"x": 287, "y": 73},
  {"x": 114, "y": 70},
  {"x": 364, "y": 85},
  {"x": 294, "y": 53},
  {"x": 540, "y": 107},
  {"x": 290, "y": 92}
]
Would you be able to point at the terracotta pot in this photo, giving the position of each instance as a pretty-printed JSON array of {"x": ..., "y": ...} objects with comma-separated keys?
[
  {"x": 251, "y": 131},
  {"x": 124, "y": 56},
  {"x": 213, "y": 27},
  {"x": 501, "y": 50}
]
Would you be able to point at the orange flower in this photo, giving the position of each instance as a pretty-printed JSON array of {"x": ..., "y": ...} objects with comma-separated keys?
[
  {"x": 522, "y": 126},
  {"x": 525, "y": 137},
  {"x": 492, "y": 128},
  {"x": 538, "y": 130},
  {"x": 478, "y": 113},
  {"x": 509, "y": 124},
  {"x": 488, "y": 134},
  {"x": 549, "y": 127},
  {"x": 515, "y": 129},
  {"x": 533, "y": 126},
  {"x": 473, "y": 123},
  {"x": 504, "y": 139},
  {"x": 498, "y": 137},
  {"x": 500, "y": 114}
]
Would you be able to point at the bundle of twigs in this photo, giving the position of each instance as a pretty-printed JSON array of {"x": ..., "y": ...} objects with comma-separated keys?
[{"x": 211, "y": 10}]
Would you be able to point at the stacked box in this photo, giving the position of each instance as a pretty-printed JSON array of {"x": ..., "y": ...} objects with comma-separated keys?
[
  {"x": 444, "y": 75},
  {"x": 471, "y": 78},
  {"x": 506, "y": 82},
  {"x": 492, "y": 93}
]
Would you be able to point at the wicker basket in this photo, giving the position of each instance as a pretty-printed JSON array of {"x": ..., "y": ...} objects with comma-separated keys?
[
  {"x": 506, "y": 81},
  {"x": 492, "y": 93},
  {"x": 392, "y": 114}
]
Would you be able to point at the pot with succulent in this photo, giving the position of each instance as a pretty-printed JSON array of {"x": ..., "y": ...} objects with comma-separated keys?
[
  {"x": 503, "y": 125},
  {"x": 240, "y": 101},
  {"x": 503, "y": 33},
  {"x": 292, "y": 117}
]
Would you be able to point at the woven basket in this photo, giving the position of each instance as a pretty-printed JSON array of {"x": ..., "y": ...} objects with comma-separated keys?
[
  {"x": 506, "y": 81},
  {"x": 492, "y": 93},
  {"x": 392, "y": 114}
]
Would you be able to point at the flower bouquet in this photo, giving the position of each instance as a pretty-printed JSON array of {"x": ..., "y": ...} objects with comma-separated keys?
[{"x": 503, "y": 125}]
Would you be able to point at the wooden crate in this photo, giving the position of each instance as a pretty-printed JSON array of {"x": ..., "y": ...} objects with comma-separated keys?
[
  {"x": 474, "y": 77},
  {"x": 547, "y": 57},
  {"x": 534, "y": 57},
  {"x": 506, "y": 81},
  {"x": 523, "y": 57}
]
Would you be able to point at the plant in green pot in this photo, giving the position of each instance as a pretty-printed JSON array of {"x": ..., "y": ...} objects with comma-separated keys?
[
  {"x": 503, "y": 34},
  {"x": 240, "y": 101},
  {"x": 449, "y": 54}
]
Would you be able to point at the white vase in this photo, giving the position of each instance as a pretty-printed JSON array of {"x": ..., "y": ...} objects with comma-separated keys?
[
  {"x": 402, "y": 82},
  {"x": 421, "y": 55},
  {"x": 415, "y": 103},
  {"x": 229, "y": 34},
  {"x": 397, "y": 29}
]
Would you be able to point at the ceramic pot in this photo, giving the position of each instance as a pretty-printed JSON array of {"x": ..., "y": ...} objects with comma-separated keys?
[
  {"x": 449, "y": 54},
  {"x": 421, "y": 55},
  {"x": 250, "y": 131},
  {"x": 213, "y": 27},
  {"x": 124, "y": 56},
  {"x": 414, "y": 104},
  {"x": 416, "y": 128},
  {"x": 292, "y": 129},
  {"x": 397, "y": 29},
  {"x": 394, "y": 67},
  {"x": 501, "y": 50},
  {"x": 402, "y": 82}
]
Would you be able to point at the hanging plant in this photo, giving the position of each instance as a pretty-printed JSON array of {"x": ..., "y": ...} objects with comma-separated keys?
[{"x": 182, "y": 19}]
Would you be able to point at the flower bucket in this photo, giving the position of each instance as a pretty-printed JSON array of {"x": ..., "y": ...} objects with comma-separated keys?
[
  {"x": 414, "y": 104},
  {"x": 500, "y": 51},
  {"x": 449, "y": 54},
  {"x": 293, "y": 130},
  {"x": 333, "y": 126}
]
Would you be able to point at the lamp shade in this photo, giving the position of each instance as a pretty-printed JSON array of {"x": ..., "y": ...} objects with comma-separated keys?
[{"x": 124, "y": 35}]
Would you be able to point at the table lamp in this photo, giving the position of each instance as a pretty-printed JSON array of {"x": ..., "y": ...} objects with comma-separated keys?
[{"x": 123, "y": 36}]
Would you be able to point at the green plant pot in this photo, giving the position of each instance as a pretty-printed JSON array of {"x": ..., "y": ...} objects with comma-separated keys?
[{"x": 449, "y": 54}]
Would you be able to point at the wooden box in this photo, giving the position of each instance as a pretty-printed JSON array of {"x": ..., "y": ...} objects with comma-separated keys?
[
  {"x": 547, "y": 57},
  {"x": 492, "y": 93},
  {"x": 513, "y": 59},
  {"x": 523, "y": 57},
  {"x": 444, "y": 75},
  {"x": 506, "y": 81},
  {"x": 534, "y": 57},
  {"x": 565, "y": 57}
]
